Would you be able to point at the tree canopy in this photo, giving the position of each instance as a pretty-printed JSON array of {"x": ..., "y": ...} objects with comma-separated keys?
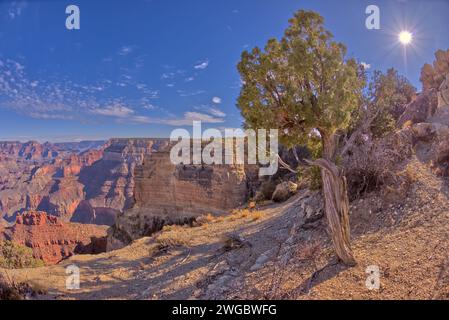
[{"x": 302, "y": 82}]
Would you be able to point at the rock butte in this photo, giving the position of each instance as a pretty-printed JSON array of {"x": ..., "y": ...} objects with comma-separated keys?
[{"x": 52, "y": 240}]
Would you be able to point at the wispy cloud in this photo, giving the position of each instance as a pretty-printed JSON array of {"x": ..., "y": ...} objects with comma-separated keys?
[
  {"x": 61, "y": 98},
  {"x": 201, "y": 65},
  {"x": 211, "y": 110},
  {"x": 117, "y": 110},
  {"x": 186, "y": 120},
  {"x": 189, "y": 117},
  {"x": 184, "y": 93},
  {"x": 16, "y": 8}
]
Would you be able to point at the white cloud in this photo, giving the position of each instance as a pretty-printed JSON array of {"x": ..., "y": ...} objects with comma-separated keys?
[
  {"x": 201, "y": 65},
  {"x": 125, "y": 50},
  {"x": 189, "y": 79},
  {"x": 191, "y": 116},
  {"x": 186, "y": 120},
  {"x": 183, "y": 93},
  {"x": 216, "y": 100},
  {"x": 116, "y": 110},
  {"x": 168, "y": 75},
  {"x": 211, "y": 110},
  {"x": 216, "y": 112},
  {"x": 365, "y": 65},
  {"x": 48, "y": 116}
]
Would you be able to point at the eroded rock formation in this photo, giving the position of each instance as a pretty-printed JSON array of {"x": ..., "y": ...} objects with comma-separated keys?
[
  {"x": 167, "y": 194},
  {"x": 90, "y": 186},
  {"x": 53, "y": 240}
]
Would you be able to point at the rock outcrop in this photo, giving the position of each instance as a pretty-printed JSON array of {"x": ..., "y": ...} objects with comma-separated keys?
[
  {"x": 422, "y": 107},
  {"x": 443, "y": 93},
  {"x": 284, "y": 190},
  {"x": 53, "y": 240},
  {"x": 175, "y": 194}
]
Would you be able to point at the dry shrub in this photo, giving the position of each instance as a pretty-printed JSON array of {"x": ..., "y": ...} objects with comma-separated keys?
[
  {"x": 174, "y": 238},
  {"x": 398, "y": 190},
  {"x": 172, "y": 241},
  {"x": 204, "y": 219},
  {"x": 233, "y": 241},
  {"x": 252, "y": 205},
  {"x": 309, "y": 251},
  {"x": 13, "y": 290},
  {"x": 407, "y": 124},
  {"x": 373, "y": 163},
  {"x": 256, "y": 215}
]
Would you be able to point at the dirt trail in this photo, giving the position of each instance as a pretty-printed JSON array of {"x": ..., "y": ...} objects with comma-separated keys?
[{"x": 274, "y": 254}]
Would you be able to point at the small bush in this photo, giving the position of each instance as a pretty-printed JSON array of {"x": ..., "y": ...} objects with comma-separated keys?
[
  {"x": 234, "y": 241},
  {"x": 12, "y": 290},
  {"x": 204, "y": 219},
  {"x": 15, "y": 256},
  {"x": 311, "y": 176}
]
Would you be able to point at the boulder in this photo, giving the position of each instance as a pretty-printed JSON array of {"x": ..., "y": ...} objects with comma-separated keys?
[
  {"x": 313, "y": 207},
  {"x": 284, "y": 190},
  {"x": 423, "y": 130},
  {"x": 419, "y": 109}
]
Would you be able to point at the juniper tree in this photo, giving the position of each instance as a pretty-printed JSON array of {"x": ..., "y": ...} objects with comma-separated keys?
[{"x": 300, "y": 84}]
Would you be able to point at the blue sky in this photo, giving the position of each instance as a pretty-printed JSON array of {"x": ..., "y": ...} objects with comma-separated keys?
[{"x": 142, "y": 68}]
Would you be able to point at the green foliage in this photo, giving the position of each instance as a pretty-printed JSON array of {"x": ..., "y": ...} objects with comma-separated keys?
[
  {"x": 387, "y": 96},
  {"x": 299, "y": 83},
  {"x": 311, "y": 176},
  {"x": 15, "y": 256}
]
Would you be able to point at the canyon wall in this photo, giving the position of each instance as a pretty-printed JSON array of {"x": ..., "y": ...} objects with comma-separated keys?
[
  {"x": 167, "y": 194},
  {"x": 78, "y": 182}
]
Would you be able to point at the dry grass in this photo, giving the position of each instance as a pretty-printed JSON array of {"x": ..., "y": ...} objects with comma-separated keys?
[
  {"x": 256, "y": 215},
  {"x": 204, "y": 219}
]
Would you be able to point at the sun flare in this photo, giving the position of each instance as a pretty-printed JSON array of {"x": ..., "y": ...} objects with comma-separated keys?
[{"x": 405, "y": 37}]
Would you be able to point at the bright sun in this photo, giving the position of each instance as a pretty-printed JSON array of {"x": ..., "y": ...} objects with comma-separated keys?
[{"x": 405, "y": 37}]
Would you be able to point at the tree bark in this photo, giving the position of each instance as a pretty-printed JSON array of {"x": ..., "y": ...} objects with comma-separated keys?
[{"x": 336, "y": 201}]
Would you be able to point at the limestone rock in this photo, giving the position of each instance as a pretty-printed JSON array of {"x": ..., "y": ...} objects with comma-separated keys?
[
  {"x": 165, "y": 193},
  {"x": 284, "y": 190}
]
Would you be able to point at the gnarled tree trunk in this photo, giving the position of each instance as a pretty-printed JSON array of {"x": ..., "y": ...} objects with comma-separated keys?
[{"x": 336, "y": 201}]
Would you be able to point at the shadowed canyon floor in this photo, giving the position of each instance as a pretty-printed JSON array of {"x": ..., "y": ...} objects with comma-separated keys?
[{"x": 272, "y": 252}]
